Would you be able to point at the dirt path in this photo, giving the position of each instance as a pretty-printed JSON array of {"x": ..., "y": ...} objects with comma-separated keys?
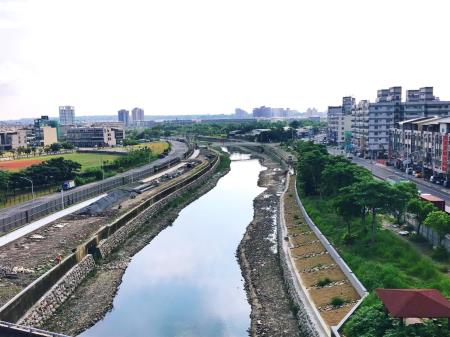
[{"x": 272, "y": 311}]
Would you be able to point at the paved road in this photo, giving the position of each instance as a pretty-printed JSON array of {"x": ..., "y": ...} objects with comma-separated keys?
[
  {"x": 383, "y": 172},
  {"x": 178, "y": 149}
]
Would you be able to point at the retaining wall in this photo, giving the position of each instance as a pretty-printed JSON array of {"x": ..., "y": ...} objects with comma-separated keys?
[
  {"x": 48, "y": 303},
  {"x": 55, "y": 203},
  {"x": 15, "y": 308},
  {"x": 120, "y": 235},
  {"x": 20, "y": 304},
  {"x": 359, "y": 287},
  {"x": 310, "y": 321}
]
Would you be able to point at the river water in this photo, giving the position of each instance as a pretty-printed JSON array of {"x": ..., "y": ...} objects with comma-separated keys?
[{"x": 187, "y": 281}]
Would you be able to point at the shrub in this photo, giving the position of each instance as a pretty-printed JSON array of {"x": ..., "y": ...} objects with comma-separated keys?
[
  {"x": 440, "y": 254},
  {"x": 337, "y": 301},
  {"x": 349, "y": 238},
  {"x": 323, "y": 282}
]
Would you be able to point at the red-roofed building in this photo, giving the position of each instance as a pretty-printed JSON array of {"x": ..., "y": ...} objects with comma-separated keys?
[{"x": 417, "y": 303}]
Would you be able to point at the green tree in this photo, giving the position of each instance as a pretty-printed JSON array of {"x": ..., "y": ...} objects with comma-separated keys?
[
  {"x": 401, "y": 194},
  {"x": 348, "y": 207},
  {"x": 420, "y": 209},
  {"x": 440, "y": 222},
  {"x": 375, "y": 196},
  {"x": 55, "y": 147}
]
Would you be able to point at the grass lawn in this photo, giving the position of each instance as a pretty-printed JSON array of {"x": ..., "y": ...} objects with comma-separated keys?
[
  {"x": 156, "y": 147},
  {"x": 86, "y": 160}
]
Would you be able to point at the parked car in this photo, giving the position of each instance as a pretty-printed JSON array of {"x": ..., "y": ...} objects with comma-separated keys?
[
  {"x": 409, "y": 170},
  {"x": 349, "y": 156},
  {"x": 418, "y": 174}
]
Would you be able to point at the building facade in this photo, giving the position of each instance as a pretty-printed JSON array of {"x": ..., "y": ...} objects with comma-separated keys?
[
  {"x": 124, "y": 116},
  {"x": 423, "y": 144},
  {"x": 67, "y": 115},
  {"x": 92, "y": 137},
  {"x": 137, "y": 116},
  {"x": 11, "y": 140},
  {"x": 373, "y": 122}
]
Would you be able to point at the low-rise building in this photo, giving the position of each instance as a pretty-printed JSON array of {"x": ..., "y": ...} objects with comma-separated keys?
[
  {"x": 423, "y": 144},
  {"x": 92, "y": 137},
  {"x": 13, "y": 139}
]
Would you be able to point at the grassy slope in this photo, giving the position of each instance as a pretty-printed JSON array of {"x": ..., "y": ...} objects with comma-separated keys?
[{"x": 390, "y": 263}]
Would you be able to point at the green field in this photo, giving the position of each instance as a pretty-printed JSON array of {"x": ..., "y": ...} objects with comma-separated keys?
[{"x": 87, "y": 160}]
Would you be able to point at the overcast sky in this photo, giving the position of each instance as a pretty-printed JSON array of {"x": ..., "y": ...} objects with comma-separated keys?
[{"x": 208, "y": 56}]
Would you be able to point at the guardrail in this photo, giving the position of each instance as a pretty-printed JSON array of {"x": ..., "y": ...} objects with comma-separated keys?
[
  {"x": 68, "y": 198},
  {"x": 17, "y": 330}
]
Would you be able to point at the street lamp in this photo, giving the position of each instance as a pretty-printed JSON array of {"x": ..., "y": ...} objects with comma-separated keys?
[{"x": 32, "y": 186}]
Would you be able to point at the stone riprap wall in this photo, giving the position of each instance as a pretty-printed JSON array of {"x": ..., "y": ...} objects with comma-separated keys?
[
  {"x": 106, "y": 246},
  {"x": 307, "y": 318},
  {"x": 48, "y": 303}
]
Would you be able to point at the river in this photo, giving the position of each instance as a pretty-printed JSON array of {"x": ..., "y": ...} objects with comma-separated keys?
[{"x": 187, "y": 281}]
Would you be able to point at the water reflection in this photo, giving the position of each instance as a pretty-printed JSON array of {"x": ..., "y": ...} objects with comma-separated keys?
[{"x": 187, "y": 281}]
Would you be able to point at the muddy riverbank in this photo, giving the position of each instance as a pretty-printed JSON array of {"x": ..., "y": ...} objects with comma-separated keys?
[
  {"x": 94, "y": 298},
  {"x": 272, "y": 311}
]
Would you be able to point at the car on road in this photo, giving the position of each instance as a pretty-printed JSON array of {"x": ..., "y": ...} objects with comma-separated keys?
[
  {"x": 409, "y": 170},
  {"x": 349, "y": 156},
  {"x": 403, "y": 233}
]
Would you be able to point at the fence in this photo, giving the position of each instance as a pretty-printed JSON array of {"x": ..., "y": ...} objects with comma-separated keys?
[{"x": 31, "y": 213}]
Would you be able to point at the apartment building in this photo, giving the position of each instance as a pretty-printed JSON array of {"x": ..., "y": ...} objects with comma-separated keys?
[
  {"x": 137, "y": 116},
  {"x": 92, "y": 137},
  {"x": 422, "y": 143},
  {"x": 339, "y": 125},
  {"x": 123, "y": 116},
  {"x": 360, "y": 126},
  {"x": 67, "y": 115},
  {"x": 13, "y": 139},
  {"x": 372, "y": 122}
]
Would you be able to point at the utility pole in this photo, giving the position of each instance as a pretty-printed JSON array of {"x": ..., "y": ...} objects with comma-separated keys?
[{"x": 32, "y": 187}]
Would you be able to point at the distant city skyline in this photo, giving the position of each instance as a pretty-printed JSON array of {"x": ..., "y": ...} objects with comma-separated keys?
[{"x": 210, "y": 57}]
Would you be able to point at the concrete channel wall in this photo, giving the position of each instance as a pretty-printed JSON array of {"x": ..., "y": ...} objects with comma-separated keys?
[
  {"x": 31, "y": 213},
  {"x": 45, "y": 294},
  {"x": 359, "y": 287},
  {"x": 64, "y": 288},
  {"x": 309, "y": 319}
]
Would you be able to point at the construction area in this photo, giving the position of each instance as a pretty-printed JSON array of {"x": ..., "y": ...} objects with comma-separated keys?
[
  {"x": 25, "y": 259},
  {"x": 326, "y": 285}
]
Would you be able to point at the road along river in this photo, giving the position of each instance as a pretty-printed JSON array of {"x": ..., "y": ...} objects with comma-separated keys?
[{"x": 187, "y": 281}]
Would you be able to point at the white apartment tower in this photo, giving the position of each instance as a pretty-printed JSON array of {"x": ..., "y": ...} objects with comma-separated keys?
[{"x": 67, "y": 115}]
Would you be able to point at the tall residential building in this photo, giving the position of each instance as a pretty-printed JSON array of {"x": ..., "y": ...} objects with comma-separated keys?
[
  {"x": 67, "y": 115},
  {"x": 360, "y": 125},
  {"x": 339, "y": 125},
  {"x": 137, "y": 116},
  {"x": 124, "y": 116},
  {"x": 373, "y": 122}
]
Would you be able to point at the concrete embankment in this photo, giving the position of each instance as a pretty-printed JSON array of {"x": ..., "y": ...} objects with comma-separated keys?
[
  {"x": 55, "y": 286},
  {"x": 94, "y": 297},
  {"x": 273, "y": 310}
]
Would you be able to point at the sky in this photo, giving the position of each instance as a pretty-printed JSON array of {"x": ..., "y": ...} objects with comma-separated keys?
[{"x": 211, "y": 56}]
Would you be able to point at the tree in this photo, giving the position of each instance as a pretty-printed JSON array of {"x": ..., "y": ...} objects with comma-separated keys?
[
  {"x": 440, "y": 222},
  {"x": 374, "y": 195},
  {"x": 4, "y": 181},
  {"x": 339, "y": 173},
  {"x": 348, "y": 207},
  {"x": 295, "y": 124},
  {"x": 420, "y": 209},
  {"x": 55, "y": 147},
  {"x": 401, "y": 194},
  {"x": 310, "y": 166}
]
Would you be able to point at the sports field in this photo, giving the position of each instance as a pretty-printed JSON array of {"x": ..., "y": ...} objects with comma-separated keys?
[{"x": 87, "y": 160}]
